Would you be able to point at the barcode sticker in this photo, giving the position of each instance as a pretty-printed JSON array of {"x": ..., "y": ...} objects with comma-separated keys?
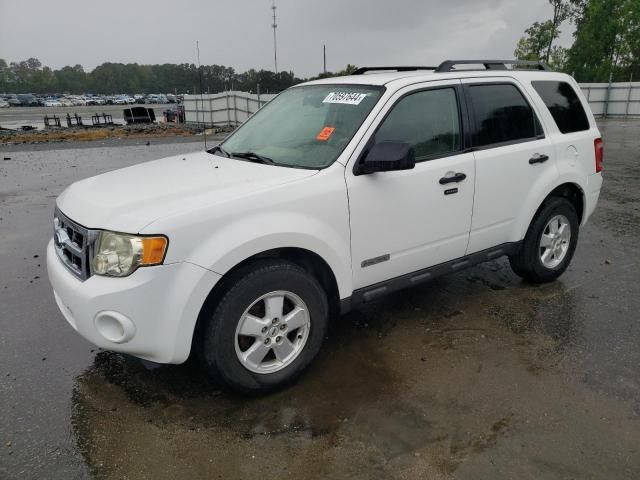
[{"x": 347, "y": 98}]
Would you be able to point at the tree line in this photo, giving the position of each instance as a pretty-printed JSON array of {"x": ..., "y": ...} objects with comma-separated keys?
[
  {"x": 606, "y": 40},
  {"x": 30, "y": 76}
]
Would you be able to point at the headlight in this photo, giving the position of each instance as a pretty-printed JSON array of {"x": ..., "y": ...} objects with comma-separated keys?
[{"x": 119, "y": 254}]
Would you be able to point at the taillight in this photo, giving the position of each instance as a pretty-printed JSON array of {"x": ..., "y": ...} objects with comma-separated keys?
[{"x": 599, "y": 148}]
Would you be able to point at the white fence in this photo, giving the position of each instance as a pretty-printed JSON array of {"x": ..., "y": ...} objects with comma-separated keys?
[
  {"x": 222, "y": 109},
  {"x": 621, "y": 99},
  {"x": 232, "y": 108}
]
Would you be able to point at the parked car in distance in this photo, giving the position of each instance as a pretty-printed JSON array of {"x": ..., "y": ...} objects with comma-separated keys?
[
  {"x": 4, "y": 104},
  {"x": 27, "y": 100},
  {"x": 13, "y": 101},
  {"x": 52, "y": 102},
  {"x": 335, "y": 193}
]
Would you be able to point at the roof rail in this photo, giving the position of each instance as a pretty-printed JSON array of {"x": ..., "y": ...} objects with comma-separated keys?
[
  {"x": 448, "y": 65},
  {"x": 363, "y": 70}
]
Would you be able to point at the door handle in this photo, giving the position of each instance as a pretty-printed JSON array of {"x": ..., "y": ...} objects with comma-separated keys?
[
  {"x": 537, "y": 158},
  {"x": 455, "y": 178}
]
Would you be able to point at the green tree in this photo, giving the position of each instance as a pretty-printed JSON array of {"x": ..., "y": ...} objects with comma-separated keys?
[
  {"x": 537, "y": 44},
  {"x": 606, "y": 40},
  {"x": 114, "y": 78},
  {"x": 534, "y": 45},
  {"x": 561, "y": 12},
  {"x": 71, "y": 79},
  {"x": 348, "y": 70},
  {"x": 6, "y": 76},
  {"x": 558, "y": 58}
]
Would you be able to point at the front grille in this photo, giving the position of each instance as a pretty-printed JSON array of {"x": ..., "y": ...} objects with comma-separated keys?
[{"x": 73, "y": 244}]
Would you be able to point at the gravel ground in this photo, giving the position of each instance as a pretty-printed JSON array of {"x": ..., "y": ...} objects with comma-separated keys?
[{"x": 474, "y": 375}]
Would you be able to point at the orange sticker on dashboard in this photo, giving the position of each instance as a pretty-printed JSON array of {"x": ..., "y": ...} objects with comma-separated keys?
[{"x": 325, "y": 134}]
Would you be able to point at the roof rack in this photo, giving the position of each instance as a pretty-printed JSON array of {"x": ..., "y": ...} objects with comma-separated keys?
[
  {"x": 363, "y": 70},
  {"x": 448, "y": 65}
]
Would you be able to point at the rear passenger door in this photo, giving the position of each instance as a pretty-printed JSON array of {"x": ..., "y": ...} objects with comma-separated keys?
[{"x": 512, "y": 155}]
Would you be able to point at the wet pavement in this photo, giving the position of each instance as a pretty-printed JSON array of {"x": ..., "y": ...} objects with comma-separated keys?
[{"x": 474, "y": 375}]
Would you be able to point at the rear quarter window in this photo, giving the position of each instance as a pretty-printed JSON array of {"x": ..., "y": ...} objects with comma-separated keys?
[
  {"x": 563, "y": 104},
  {"x": 502, "y": 115}
]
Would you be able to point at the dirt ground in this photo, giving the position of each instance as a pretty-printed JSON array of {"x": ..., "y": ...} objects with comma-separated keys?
[
  {"x": 472, "y": 376},
  {"x": 90, "y": 134}
]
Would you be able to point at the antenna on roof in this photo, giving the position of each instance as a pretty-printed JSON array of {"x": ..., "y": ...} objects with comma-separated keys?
[{"x": 201, "y": 93}]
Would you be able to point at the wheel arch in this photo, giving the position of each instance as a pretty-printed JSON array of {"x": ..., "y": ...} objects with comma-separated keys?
[
  {"x": 310, "y": 261},
  {"x": 572, "y": 191}
]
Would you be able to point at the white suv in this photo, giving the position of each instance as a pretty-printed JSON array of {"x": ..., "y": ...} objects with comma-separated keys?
[{"x": 336, "y": 192}]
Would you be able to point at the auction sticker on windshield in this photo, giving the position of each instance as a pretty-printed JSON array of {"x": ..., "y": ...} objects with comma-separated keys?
[
  {"x": 347, "y": 98},
  {"x": 325, "y": 134}
]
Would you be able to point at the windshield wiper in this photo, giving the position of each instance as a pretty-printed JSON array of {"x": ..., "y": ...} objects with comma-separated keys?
[
  {"x": 253, "y": 157},
  {"x": 218, "y": 148}
]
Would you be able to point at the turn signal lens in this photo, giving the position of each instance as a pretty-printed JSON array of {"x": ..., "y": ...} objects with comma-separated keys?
[{"x": 153, "y": 249}]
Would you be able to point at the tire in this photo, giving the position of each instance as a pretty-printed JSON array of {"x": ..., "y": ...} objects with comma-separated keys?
[
  {"x": 528, "y": 262},
  {"x": 222, "y": 343}
]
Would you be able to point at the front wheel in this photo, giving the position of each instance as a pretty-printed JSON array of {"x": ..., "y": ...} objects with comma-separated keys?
[
  {"x": 549, "y": 244},
  {"x": 266, "y": 328}
]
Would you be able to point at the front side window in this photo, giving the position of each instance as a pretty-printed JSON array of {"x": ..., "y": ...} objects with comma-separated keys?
[
  {"x": 305, "y": 127},
  {"x": 502, "y": 115},
  {"x": 428, "y": 120},
  {"x": 564, "y": 105}
]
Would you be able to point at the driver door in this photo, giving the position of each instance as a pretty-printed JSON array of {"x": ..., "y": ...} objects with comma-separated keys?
[{"x": 404, "y": 221}]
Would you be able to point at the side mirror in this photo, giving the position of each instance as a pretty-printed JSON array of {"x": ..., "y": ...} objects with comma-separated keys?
[{"x": 387, "y": 157}]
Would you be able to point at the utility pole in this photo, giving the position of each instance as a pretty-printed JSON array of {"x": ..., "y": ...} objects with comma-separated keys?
[
  {"x": 274, "y": 25},
  {"x": 324, "y": 58}
]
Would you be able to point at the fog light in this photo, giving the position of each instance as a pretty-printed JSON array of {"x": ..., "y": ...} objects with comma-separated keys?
[{"x": 115, "y": 327}]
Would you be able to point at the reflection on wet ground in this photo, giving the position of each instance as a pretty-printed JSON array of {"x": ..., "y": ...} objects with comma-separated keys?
[{"x": 476, "y": 375}]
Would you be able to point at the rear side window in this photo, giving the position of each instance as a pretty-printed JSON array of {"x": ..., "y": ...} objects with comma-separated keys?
[
  {"x": 428, "y": 120},
  {"x": 564, "y": 105},
  {"x": 502, "y": 115}
]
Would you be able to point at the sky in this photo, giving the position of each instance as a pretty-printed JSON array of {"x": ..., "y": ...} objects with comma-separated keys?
[{"x": 238, "y": 34}]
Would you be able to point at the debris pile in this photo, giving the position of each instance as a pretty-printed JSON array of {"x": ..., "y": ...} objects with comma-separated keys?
[{"x": 82, "y": 133}]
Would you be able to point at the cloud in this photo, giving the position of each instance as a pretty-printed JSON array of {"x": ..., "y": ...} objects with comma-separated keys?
[{"x": 238, "y": 33}]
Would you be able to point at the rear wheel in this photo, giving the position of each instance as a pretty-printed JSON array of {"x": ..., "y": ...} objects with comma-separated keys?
[
  {"x": 549, "y": 244},
  {"x": 266, "y": 329}
]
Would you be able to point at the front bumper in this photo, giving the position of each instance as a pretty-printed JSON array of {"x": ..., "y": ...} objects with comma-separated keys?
[{"x": 150, "y": 314}]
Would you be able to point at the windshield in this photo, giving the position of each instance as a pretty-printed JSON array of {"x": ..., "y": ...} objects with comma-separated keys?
[{"x": 306, "y": 127}]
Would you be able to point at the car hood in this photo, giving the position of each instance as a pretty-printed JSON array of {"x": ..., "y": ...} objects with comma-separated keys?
[{"x": 128, "y": 199}]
